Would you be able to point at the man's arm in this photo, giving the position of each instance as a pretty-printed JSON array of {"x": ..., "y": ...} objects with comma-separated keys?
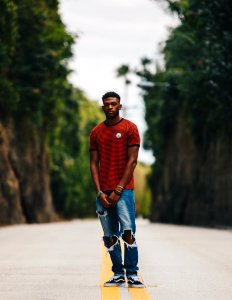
[
  {"x": 128, "y": 172},
  {"x": 94, "y": 168},
  {"x": 130, "y": 166}
]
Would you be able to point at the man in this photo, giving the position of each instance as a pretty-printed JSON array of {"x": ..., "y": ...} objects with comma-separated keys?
[{"x": 114, "y": 146}]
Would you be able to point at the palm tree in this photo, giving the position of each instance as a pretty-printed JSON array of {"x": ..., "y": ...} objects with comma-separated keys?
[{"x": 123, "y": 71}]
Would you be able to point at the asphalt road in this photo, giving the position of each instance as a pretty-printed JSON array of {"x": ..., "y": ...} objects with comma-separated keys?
[{"x": 63, "y": 261}]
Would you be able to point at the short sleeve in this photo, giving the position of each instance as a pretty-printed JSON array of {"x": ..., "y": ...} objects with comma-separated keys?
[
  {"x": 92, "y": 141},
  {"x": 133, "y": 136}
]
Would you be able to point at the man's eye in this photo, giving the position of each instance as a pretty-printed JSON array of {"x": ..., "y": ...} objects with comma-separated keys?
[{"x": 111, "y": 104}]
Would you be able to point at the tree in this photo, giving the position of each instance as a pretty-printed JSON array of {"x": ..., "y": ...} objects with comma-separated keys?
[
  {"x": 123, "y": 71},
  {"x": 38, "y": 66},
  {"x": 192, "y": 109},
  {"x": 74, "y": 194},
  {"x": 8, "y": 37},
  {"x": 34, "y": 91}
]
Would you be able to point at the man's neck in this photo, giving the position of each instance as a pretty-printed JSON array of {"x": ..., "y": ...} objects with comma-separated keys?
[{"x": 113, "y": 120}]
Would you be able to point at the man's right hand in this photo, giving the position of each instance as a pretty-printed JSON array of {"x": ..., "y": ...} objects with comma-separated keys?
[{"x": 104, "y": 200}]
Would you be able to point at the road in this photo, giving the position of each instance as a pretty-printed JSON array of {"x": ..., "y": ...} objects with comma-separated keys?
[{"x": 64, "y": 261}]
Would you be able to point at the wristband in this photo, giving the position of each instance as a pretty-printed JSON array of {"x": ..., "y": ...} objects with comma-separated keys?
[
  {"x": 120, "y": 186},
  {"x": 99, "y": 193},
  {"x": 117, "y": 193}
]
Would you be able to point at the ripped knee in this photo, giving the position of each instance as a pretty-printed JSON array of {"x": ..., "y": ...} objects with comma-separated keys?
[
  {"x": 128, "y": 238},
  {"x": 101, "y": 213},
  {"x": 110, "y": 242}
]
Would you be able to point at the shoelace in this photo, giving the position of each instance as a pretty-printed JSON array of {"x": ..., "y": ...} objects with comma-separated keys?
[
  {"x": 134, "y": 278},
  {"x": 115, "y": 277}
]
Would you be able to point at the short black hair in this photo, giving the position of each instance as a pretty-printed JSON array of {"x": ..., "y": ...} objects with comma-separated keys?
[{"x": 110, "y": 95}]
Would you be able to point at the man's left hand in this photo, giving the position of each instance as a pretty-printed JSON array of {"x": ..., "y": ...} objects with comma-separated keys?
[{"x": 113, "y": 198}]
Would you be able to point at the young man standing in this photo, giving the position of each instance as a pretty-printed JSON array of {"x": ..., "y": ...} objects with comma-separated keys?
[{"x": 114, "y": 146}]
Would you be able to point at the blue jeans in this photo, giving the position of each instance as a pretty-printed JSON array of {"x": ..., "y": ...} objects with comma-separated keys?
[{"x": 117, "y": 222}]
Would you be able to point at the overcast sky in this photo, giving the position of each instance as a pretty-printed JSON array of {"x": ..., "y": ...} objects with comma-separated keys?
[{"x": 112, "y": 33}]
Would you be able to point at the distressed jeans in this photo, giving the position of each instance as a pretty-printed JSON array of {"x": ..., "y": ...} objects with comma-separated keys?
[{"x": 115, "y": 222}]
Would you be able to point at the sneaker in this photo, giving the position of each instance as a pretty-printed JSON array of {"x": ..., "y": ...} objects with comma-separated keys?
[
  {"x": 134, "y": 282},
  {"x": 116, "y": 280}
]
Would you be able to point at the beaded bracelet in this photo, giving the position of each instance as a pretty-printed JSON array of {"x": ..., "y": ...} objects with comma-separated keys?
[
  {"x": 120, "y": 186},
  {"x": 117, "y": 192}
]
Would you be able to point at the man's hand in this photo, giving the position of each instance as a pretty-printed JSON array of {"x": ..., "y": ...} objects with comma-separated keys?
[
  {"x": 104, "y": 200},
  {"x": 113, "y": 198}
]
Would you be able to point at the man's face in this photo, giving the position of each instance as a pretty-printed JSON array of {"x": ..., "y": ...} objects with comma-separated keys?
[{"x": 111, "y": 107}]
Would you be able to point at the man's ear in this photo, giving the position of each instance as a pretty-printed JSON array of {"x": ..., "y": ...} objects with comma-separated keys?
[
  {"x": 102, "y": 107},
  {"x": 120, "y": 106}
]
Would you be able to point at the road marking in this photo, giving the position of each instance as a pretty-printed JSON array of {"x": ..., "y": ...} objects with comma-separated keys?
[
  {"x": 139, "y": 294},
  {"x": 107, "y": 293},
  {"x": 113, "y": 293}
]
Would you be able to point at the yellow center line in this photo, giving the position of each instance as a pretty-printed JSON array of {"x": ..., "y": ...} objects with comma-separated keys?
[
  {"x": 139, "y": 294},
  {"x": 107, "y": 293},
  {"x": 113, "y": 293}
]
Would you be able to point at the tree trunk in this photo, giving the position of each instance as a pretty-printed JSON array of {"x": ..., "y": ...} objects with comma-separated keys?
[
  {"x": 194, "y": 184},
  {"x": 24, "y": 176}
]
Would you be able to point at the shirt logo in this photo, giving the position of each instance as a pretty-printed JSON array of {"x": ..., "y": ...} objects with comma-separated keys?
[{"x": 118, "y": 135}]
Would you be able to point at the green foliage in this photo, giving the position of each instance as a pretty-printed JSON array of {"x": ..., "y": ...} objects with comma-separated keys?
[
  {"x": 160, "y": 114},
  {"x": 37, "y": 99},
  {"x": 200, "y": 48},
  {"x": 196, "y": 77},
  {"x": 8, "y": 36},
  {"x": 123, "y": 71},
  {"x": 194, "y": 83},
  {"x": 73, "y": 192},
  {"x": 142, "y": 190},
  {"x": 34, "y": 74}
]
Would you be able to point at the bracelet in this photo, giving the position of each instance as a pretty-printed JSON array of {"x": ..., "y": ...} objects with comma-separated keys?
[
  {"x": 117, "y": 193},
  {"x": 120, "y": 186},
  {"x": 99, "y": 193}
]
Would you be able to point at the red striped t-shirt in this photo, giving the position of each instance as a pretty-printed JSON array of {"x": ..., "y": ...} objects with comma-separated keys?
[{"x": 112, "y": 142}]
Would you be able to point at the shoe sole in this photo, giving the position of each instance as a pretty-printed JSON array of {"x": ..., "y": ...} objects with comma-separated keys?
[
  {"x": 114, "y": 284},
  {"x": 136, "y": 286}
]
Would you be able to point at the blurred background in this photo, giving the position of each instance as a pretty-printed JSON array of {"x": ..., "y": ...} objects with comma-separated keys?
[{"x": 170, "y": 61}]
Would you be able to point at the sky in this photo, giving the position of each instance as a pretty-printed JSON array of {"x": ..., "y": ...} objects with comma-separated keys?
[{"x": 112, "y": 33}]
